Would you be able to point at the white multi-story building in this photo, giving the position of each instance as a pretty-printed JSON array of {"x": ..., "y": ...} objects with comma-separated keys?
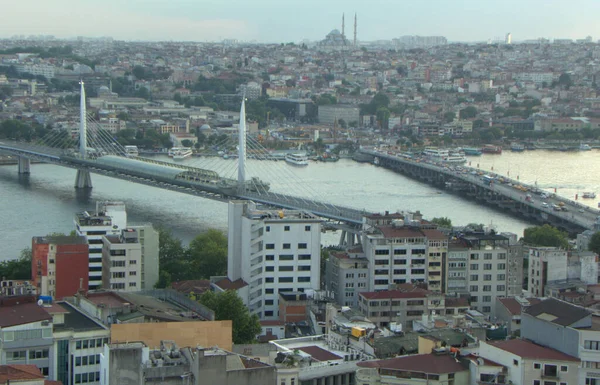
[
  {"x": 272, "y": 251},
  {"x": 403, "y": 249},
  {"x": 122, "y": 261},
  {"x": 546, "y": 264},
  {"x": 78, "y": 343},
  {"x": 109, "y": 219}
]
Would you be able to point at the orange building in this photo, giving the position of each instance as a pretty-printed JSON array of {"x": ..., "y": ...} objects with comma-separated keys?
[{"x": 59, "y": 265}]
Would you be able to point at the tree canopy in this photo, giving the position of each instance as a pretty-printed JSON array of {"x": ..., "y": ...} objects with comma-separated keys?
[
  {"x": 19, "y": 268},
  {"x": 228, "y": 305},
  {"x": 594, "y": 244},
  {"x": 206, "y": 256},
  {"x": 442, "y": 222},
  {"x": 545, "y": 235}
]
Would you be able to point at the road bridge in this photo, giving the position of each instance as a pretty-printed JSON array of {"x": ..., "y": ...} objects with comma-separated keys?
[{"x": 502, "y": 193}]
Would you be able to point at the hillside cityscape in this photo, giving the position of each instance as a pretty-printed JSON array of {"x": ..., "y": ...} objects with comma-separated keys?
[{"x": 402, "y": 298}]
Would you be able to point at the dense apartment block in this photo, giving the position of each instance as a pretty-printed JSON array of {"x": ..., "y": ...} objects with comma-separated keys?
[
  {"x": 482, "y": 266},
  {"x": 407, "y": 305},
  {"x": 403, "y": 249},
  {"x": 59, "y": 265},
  {"x": 568, "y": 328},
  {"x": 546, "y": 264},
  {"x": 272, "y": 251},
  {"x": 346, "y": 275},
  {"x": 109, "y": 218},
  {"x": 135, "y": 363},
  {"x": 122, "y": 261},
  {"x": 524, "y": 362}
]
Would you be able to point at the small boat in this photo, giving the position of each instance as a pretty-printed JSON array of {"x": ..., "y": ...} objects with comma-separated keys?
[
  {"x": 328, "y": 158},
  {"x": 131, "y": 151},
  {"x": 584, "y": 147},
  {"x": 517, "y": 147},
  {"x": 297, "y": 159},
  {"x": 491, "y": 149},
  {"x": 182, "y": 153},
  {"x": 589, "y": 195},
  {"x": 471, "y": 151}
]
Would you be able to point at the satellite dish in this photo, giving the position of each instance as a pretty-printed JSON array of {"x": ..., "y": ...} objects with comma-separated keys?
[{"x": 40, "y": 302}]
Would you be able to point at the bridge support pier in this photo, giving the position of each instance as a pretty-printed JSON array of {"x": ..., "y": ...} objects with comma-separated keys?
[
  {"x": 348, "y": 239},
  {"x": 83, "y": 179},
  {"x": 24, "y": 165}
]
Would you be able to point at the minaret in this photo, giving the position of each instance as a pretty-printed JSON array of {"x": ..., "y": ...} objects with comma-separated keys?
[
  {"x": 355, "y": 29},
  {"x": 343, "y": 26}
]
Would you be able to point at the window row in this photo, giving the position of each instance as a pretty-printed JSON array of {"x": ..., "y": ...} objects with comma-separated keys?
[
  {"x": 288, "y": 257},
  {"x": 286, "y": 246},
  {"x": 93, "y": 343},
  {"x": 87, "y": 360},
  {"x": 84, "y": 378}
]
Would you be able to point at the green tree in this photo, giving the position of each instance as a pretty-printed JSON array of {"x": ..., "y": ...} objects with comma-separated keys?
[
  {"x": 449, "y": 116},
  {"x": 383, "y": 117},
  {"x": 594, "y": 244},
  {"x": 187, "y": 143},
  {"x": 442, "y": 222},
  {"x": 228, "y": 305},
  {"x": 171, "y": 256},
  {"x": 342, "y": 123},
  {"x": 208, "y": 254},
  {"x": 468, "y": 112},
  {"x": 19, "y": 268},
  {"x": 545, "y": 235}
]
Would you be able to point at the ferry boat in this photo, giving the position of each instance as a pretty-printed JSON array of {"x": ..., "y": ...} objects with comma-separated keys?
[
  {"x": 173, "y": 150},
  {"x": 436, "y": 153},
  {"x": 131, "y": 151},
  {"x": 491, "y": 149},
  {"x": 471, "y": 151},
  {"x": 455, "y": 158},
  {"x": 182, "y": 153},
  {"x": 584, "y": 147},
  {"x": 589, "y": 195},
  {"x": 517, "y": 147},
  {"x": 297, "y": 159}
]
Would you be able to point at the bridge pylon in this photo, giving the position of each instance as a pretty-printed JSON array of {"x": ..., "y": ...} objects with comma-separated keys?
[
  {"x": 83, "y": 178},
  {"x": 24, "y": 165},
  {"x": 242, "y": 148}
]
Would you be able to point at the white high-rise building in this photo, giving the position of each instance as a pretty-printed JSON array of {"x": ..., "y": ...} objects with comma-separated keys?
[
  {"x": 109, "y": 219},
  {"x": 272, "y": 251},
  {"x": 122, "y": 261},
  {"x": 508, "y": 39}
]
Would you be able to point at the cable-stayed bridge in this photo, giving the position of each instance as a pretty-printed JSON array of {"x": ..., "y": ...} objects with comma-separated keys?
[{"x": 95, "y": 150}]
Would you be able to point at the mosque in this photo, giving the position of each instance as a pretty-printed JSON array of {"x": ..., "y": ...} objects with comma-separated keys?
[{"x": 336, "y": 40}]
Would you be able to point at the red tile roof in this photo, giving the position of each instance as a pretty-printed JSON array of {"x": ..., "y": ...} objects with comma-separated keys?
[
  {"x": 512, "y": 305},
  {"x": 424, "y": 363},
  {"x": 19, "y": 373},
  {"x": 22, "y": 314},
  {"x": 474, "y": 358},
  {"x": 528, "y": 349},
  {"x": 393, "y": 294},
  {"x": 434, "y": 234},
  {"x": 320, "y": 354},
  {"x": 400, "y": 232}
]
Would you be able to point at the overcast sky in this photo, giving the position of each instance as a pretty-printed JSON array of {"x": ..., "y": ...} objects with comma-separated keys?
[{"x": 295, "y": 20}]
